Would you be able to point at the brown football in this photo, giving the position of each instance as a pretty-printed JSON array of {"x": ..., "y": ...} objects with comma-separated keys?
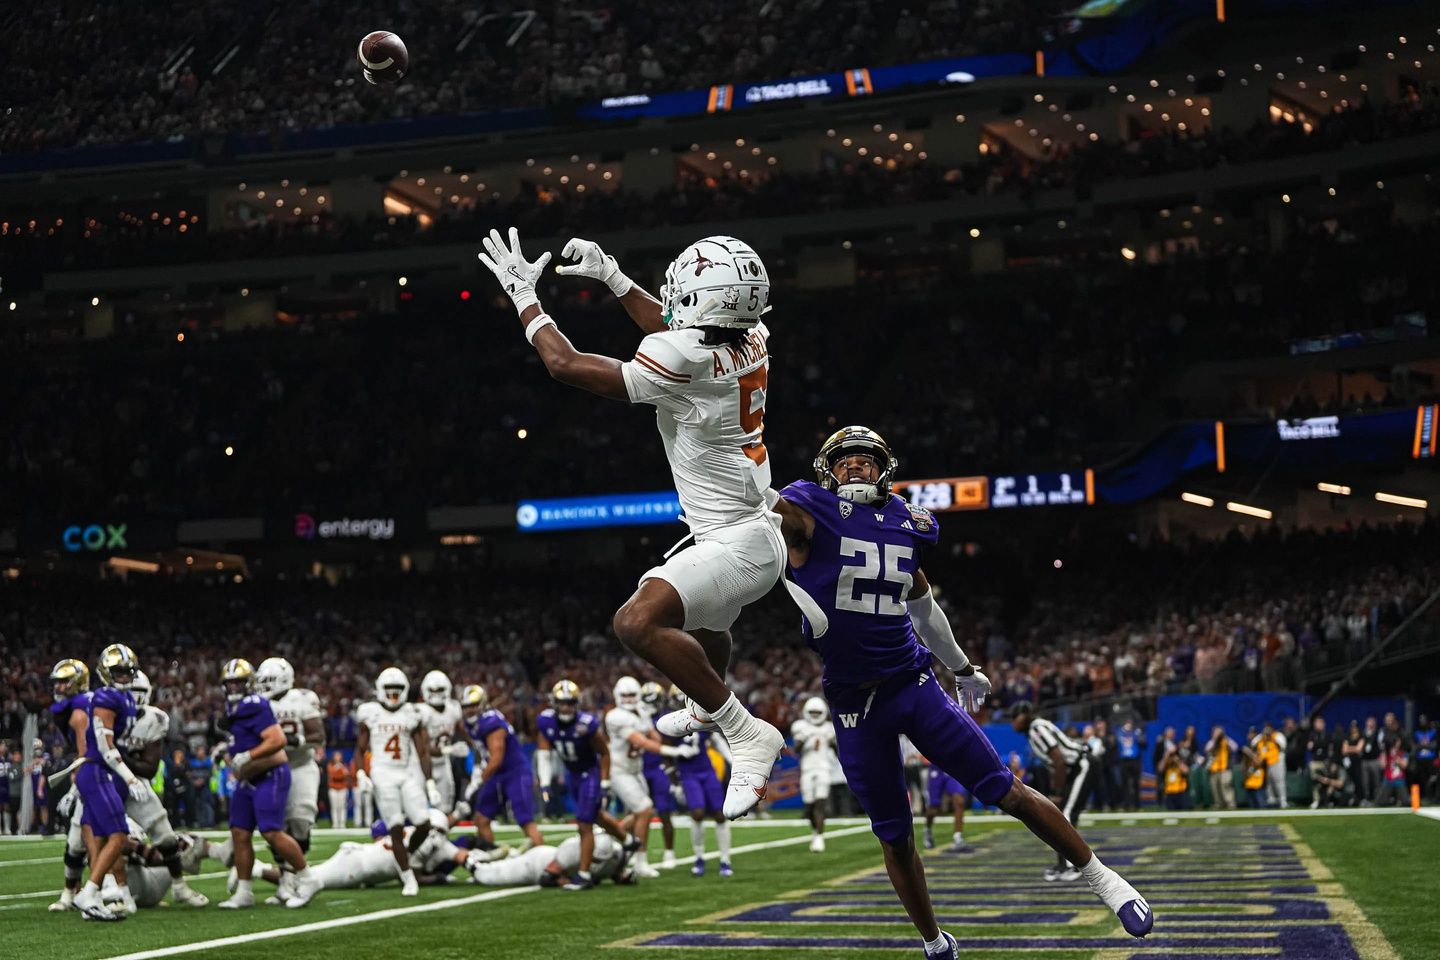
[{"x": 383, "y": 57}]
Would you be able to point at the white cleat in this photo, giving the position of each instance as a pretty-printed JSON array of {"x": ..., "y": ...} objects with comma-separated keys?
[
  {"x": 237, "y": 901},
  {"x": 182, "y": 892},
  {"x": 667, "y": 862},
  {"x": 302, "y": 891},
  {"x": 66, "y": 902},
  {"x": 224, "y": 852},
  {"x": 681, "y": 723},
  {"x": 410, "y": 889},
  {"x": 751, "y": 760},
  {"x": 817, "y": 843},
  {"x": 91, "y": 907},
  {"x": 645, "y": 871}
]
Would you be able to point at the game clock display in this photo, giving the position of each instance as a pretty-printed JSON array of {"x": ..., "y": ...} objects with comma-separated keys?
[{"x": 1001, "y": 492}]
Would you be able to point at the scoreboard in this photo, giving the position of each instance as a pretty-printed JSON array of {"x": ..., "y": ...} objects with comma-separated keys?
[{"x": 1001, "y": 492}]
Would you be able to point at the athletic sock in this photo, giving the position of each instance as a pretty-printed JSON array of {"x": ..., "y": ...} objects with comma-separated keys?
[
  {"x": 722, "y": 837},
  {"x": 959, "y": 838},
  {"x": 933, "y": 946},
  {"x": 244, "y": 888},
  {"x": 407, "y": 876},
  {"x": 1108, "y": 885},
  {"x": 734, "y": 719},
  {"x": 697, "y": 839},
  {"x": 90, "y": 888}
]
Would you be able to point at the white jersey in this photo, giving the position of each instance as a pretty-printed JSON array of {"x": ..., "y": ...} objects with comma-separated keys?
[
  {"x": 151, "y": 724},
  {"x": 620, "y": 722},
  {"x": 291, "y": 711},
  {"x": 815, "y": 742},
  {"x": 392, "y": 745},
  {"x": 710, "y": 408},
  {"x": 359, "y": 864},
  {"x": 606, "y": 862},
  {"x": 440, "y": 724}
]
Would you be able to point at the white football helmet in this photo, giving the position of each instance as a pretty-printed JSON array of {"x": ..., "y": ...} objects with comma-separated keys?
[
  {"x": 816, "y": 710},
  {"x": 140, "y": 689},
  {"x": 715, "y": 282},
  {"x": 274, "y": 677},
  {"x": 627, "y": 693},
  {"x": 435, "y": 689},
  {"x": 392, "y": 688}
]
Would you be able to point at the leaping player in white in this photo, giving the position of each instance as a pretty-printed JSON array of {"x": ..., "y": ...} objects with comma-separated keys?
[
  {"x": 815, "y": 742},
  {"x": 394, "y": 727},
  {"x": 704, "y": 365},
  {"x": 444, "y": 722},
  {"x": 298, "y": 713}
]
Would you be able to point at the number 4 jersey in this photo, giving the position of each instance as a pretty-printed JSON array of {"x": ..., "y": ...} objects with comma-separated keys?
[
  {"x": 392, "y": 747},
  {"x": 710, "y": 408},
  {"x": 853, "y": 586}
]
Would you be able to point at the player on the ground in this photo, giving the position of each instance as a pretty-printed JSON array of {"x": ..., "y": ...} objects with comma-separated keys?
[
  {"x": 70, "y": 686},
  {"x": 632, "y": 738},
  {"x": 577, "y": 736},
  {"x": 704, "y": 364},
  {"x": 701, "y": 791},
  {"x": 1068, "y": 761},
  {"x": 814, "y": 737},
  {"x": 298, "y": 712},
  {"x": 660, "y": 776},
  {"x": 938, "y": 786},
  {"x": 391, "y": 730},
  {"x": 503, "y": 776},
  {"x": 555, "y": 866},
  {"x": 262, "y": 784},
  {"x": 104, "y": 779},
  {"x": 146, "y": 868},
  {"x": 854, "y": 570},
  {"x": 371, "y": 864},
  {"x": 448, "y": 737},
  {"x": 144, "y": 747}
]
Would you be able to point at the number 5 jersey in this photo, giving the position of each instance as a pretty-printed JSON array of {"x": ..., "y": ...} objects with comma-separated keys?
[{"x": 853, "y": 586}]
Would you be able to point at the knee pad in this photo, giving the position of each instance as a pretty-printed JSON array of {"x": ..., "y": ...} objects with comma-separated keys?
[
  {"x": 169, "y": 846},
  {"x": 74, "y": 865},
  {"x": 300, "y": 830}
]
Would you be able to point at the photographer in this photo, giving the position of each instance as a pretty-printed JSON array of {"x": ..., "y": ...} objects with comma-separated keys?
[{"x": 1221, "y": 754}]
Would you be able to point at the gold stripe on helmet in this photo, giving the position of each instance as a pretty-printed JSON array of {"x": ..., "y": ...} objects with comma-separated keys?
[{"x": 117, "y": 656}]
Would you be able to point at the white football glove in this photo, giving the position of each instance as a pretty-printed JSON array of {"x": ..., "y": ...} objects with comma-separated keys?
[
  {"x": 238, "y": 762},
  {"x": 678, "y": 792},
  {"x": 363, "y": 781},
  {"x": 687, "y": 750},
  {"x": 66, "y": 807},
  {"x": 591, "y": 261},
  {"x": 973, "y": 690},
  {"x": 432, "y": 793},
  {"x": 139, "y": 790},
  {"x": 517, "y": 275},
  {"x": 459, "y": 750},
  {"x": 477, "y": 780}
]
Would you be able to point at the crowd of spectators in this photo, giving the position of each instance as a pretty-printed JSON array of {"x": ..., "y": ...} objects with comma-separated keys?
[
  {"x": 86, "y": 73},
  {"x": 1044, "y": 366}
]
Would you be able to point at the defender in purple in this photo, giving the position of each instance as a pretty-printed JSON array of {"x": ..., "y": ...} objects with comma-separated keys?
[
  {"x": 579, "y": 737},
  {"x": 103, "y": 779},
  {"x": 854, "y": 569},
  {"x": 70, "y": 710},
  {"x": 504, "y": 776},
  {"x": 262, "y": 786}
]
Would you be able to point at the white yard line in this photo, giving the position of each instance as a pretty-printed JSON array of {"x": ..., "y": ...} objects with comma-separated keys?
[
  {"x": 1431, "y": 812},
  {"x": 28, "y": 863},
  {"x": 56, "y": 893},
  {"x": 421, "y": 908}
]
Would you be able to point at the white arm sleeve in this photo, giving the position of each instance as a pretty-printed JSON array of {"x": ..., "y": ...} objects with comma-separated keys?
[
  {"x": 934, "y": 629},
  {"x": 544, "y": 768},
  {"x": 105, "y": 737}
]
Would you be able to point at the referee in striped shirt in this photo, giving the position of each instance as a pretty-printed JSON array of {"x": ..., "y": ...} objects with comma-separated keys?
[{"x": 1070, "y": 772}]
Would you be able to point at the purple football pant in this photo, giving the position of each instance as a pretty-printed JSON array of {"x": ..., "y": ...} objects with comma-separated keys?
[
  {"x": 660, "y": 795},
  {"x": 868, "y": 726},
  {"x": 513, "y": 787},
  {"x": 940, "y": 784},
  {"x": 584, "y": 787},
  {"x": 261, "y": 805},
  {"x": 702, "y": 790},
  {"x": 103, "y": 795}
]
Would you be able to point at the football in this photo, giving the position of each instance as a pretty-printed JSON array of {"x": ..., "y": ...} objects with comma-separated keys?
[{"x": 383, "y": 57}]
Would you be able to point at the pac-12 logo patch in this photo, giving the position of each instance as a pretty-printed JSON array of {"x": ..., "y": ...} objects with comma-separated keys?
[{"x": 845, "y": 508}]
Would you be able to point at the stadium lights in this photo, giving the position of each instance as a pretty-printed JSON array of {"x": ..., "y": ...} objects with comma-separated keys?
[
  {"x": 1339, "y": 488},
  {"x": 402, "y": 281},
  {"x": 1200, "y": 500},
  {"x": 141, "y": 566},
  {"x": 1248, "y": 510},
  {"x": 94, "y": 301},
  {"x": 14, "y": 305},
  {"x": 1128, "y": 253},
  {"x": 1396, "y": 498}
]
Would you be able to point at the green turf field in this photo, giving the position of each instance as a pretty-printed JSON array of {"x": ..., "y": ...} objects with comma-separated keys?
[{"x": 1298, "y": 888}]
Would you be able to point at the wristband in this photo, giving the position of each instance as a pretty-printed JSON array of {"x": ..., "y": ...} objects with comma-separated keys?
[
  {"x": 618, "y": 283},
  {"x": 524, "y": 297},
  {"x": 536, "y": 325}
]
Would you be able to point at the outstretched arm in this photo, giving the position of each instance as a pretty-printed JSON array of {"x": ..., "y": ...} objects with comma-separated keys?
[
  {"x": 591, "y": 261},
  {"x": 796, "y": 526},
  {"x": 597, "y": 374}
]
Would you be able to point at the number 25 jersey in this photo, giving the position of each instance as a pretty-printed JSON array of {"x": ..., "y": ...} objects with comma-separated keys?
[
  {"x": 392, "y": 747},
  {"x": 853, "y": 586}
]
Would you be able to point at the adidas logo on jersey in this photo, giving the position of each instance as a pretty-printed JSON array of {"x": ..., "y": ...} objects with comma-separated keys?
[
  {"x": 849, "y": 719},
  {"x": 907, "y": 526}
]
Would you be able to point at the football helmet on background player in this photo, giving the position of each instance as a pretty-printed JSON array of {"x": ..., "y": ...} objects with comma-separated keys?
[
  {"x": 392, "y": 688},
  {"x": 474, "y": 696},
  {"x": 565, "y": 699},
  {"x": 435, "y": 689},
  {"x": 237, "y": 678},
  {"x": 117, "y": 665},
  {"x": 274, "y": 677},
  {"x": 140, "y": 689},
  {"x": 816, "y": 710},
  {"x": 69, "y": 677},
  {"x": 627, "y": 693}
]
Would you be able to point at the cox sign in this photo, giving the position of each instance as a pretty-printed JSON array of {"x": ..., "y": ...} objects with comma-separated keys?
[{"x": 95, "y": 537}]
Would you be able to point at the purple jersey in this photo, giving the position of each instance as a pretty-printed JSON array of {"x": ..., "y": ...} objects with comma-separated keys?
[
  {"x": 123, "y": 705},
  {"x": 487, "y": 723},
  {"x": 651, "y": 761},
  {"x": 574, "y": 742},
  {"x": 61, "y": 710},
  {"x": 249, "y": 717},
  {"x": 700, "y": 763},
  {"x": 861, "y": 567}
]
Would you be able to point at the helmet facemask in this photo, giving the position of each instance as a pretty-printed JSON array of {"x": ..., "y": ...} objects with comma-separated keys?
[{"x": 849, "y": 442}]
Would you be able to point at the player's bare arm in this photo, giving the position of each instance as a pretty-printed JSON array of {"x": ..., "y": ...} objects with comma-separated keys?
[
  {"x": 797, "y": 527},
  {"x": 362, "y": 746},
  {"x": 602, "y": 750},
  {"x": 495, "y": 748},
  {"x": 422, "y": 749},
  {"x": 592, "y": 262},
  {"x": 79, "y": 723},
  {"x": 314, "y": 729},
  {"x": 589, "y": 371},
  {"x": 267, "y": 754}
]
